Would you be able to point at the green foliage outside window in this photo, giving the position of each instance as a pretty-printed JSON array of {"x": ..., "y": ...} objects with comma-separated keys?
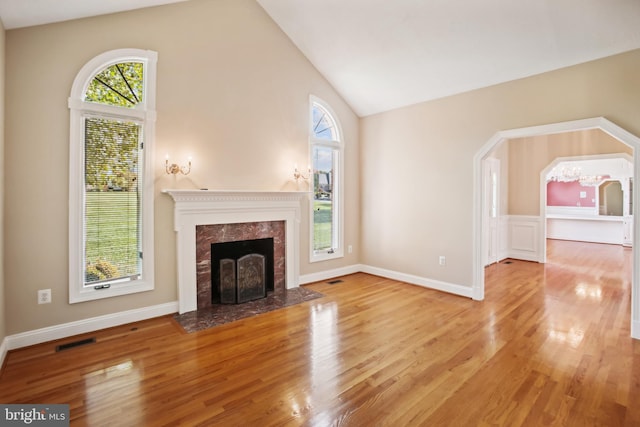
[
  {"x": 120, "y": 85},
  {"x": 111, "y": 155}
]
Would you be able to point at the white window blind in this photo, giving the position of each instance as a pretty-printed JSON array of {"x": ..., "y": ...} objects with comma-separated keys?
[{"x": 112, "y": 201}]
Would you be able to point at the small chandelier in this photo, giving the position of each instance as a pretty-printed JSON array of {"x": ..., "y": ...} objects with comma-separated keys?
[
  {"x": 564, "y": 174},
  {"x": 590, "y": 180}
]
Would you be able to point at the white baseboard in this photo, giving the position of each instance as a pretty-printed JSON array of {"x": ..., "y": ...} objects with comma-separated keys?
[
  {"x": 329, "y": 274},
  {"x": 523, "y": 256},
  {"x": 464, "y": 291},
  {"x": 87, "y": 325},
  {"x": 451, "y": 288},
  {"x": 4, "y": 348}
]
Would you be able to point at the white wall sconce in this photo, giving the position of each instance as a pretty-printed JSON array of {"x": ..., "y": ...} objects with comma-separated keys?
[
  {"x": 174, "y": 168},
  {"x": 297, "y": 174}
]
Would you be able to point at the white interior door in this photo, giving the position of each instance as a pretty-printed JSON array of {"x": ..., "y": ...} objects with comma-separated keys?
[{"x": 491, "y": 203}]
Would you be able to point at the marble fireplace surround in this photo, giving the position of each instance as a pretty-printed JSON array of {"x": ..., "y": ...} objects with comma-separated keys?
[{"x": 209, "y": 207}]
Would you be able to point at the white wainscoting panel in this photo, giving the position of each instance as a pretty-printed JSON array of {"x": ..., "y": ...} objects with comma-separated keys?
[
  {"x": 604, "y": 229},
  {"x": 524, "y": 233}
]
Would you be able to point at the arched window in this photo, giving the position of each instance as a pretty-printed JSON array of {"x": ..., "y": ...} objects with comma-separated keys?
[
  {"x": 112, "y": 117},
  {"x": 326, "y": 163}
]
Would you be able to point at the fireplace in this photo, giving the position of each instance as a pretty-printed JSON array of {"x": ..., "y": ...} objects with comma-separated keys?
[
  {"x": 196, "y": 208},
  {"x": 266, "y": 238},
  {"x": 241, "y": 271}
]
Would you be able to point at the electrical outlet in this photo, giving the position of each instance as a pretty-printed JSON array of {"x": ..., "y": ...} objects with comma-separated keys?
[
  {"x": 350, "y": 249},
  {"x": 44, "y": 296},
  {"x": 442, "y": 260}
]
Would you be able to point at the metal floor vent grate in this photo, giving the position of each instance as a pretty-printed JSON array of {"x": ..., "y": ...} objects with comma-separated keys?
[
  {"x": 507, "y": 262},
  {"x": 333, "y": 282},
  {"x": 74, "y": 344}
]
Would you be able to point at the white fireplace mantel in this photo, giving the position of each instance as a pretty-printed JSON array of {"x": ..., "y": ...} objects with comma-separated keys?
[{"x": 208, "y": 207}]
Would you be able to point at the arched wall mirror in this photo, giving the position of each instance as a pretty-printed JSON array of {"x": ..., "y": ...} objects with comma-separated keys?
[{"x": 610, "y": 198}]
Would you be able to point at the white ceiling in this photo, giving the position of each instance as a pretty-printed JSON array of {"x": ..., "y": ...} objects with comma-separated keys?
[
  {"x": 25, "y": 13},
  {"x": 385, "y": 54}
]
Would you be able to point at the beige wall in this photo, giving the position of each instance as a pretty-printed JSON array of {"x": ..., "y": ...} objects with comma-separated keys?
[
  {"x": 407, "y": 221},
  {"x": 233, "y": 92},
  {"x": 3, "y": 322},
  {"x": 529, "y": 156}
]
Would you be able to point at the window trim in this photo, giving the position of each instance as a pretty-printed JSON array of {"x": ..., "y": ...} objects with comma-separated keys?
[
  {"x": 338, "y": 200},
  {"x": 143, "y": 112}
]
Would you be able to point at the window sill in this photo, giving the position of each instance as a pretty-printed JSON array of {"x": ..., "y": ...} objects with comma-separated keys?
[
  {"x": 326, "y": 256},
  {"x": 90, "y": 294}
]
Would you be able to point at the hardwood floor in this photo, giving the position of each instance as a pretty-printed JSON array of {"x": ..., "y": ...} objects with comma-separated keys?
[{"x": 550, "y": 345}]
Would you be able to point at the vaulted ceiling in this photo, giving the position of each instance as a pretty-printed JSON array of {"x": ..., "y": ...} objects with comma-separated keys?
[{"x": 381, "y": 54}]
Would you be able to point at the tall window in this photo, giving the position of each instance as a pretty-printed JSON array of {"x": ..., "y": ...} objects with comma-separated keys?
[
  {"x": 326, "y": 163},
  {"x": 111, "y": 191}
]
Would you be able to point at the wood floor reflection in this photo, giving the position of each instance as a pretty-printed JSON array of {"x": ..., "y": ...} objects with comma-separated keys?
[{"x": 549, "y": 345}]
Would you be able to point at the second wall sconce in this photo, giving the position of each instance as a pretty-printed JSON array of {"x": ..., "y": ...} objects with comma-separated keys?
[
  {"x": 174, "y": 168},
  {"x": 297, "y": 174}
]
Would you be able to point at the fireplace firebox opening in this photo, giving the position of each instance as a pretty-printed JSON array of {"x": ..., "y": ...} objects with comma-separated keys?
[{"x": 241, "y": 271}]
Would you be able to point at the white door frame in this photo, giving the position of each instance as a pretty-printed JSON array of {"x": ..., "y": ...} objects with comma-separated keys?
[{"x": 478, "y": 196}]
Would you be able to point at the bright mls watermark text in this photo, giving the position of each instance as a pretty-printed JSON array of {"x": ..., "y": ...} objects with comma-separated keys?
[{"x": 54, "y": 415}]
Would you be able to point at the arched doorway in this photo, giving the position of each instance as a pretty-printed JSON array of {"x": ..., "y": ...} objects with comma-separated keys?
[{"x": 479, "y": 189}]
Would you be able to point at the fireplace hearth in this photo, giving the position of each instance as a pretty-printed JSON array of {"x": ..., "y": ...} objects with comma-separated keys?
[{"x": 241, "y": 271}]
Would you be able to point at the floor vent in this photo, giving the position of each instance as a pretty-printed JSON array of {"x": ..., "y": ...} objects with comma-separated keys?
[
  {"x": 507, "y": 262},
  {"x": 69, "y": 345},
  {"x": 333, "y": 282}
]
